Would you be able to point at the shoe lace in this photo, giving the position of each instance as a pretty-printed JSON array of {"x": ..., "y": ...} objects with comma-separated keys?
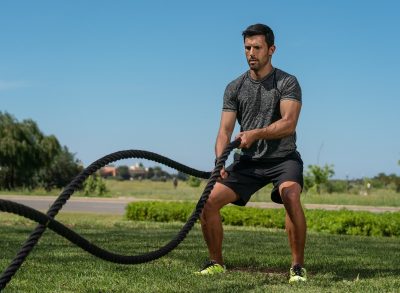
[
  {"x": 208, "y": 264},
  {"x": 297, "y": 269}
]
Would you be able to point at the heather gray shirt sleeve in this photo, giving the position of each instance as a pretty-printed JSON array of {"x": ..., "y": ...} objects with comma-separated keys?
[
  {"x": 230, "y": 103},
  {"x": 291, "y": 89}
]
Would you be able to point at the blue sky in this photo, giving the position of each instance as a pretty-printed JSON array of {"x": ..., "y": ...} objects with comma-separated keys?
[{"x": 111, "y": 75}]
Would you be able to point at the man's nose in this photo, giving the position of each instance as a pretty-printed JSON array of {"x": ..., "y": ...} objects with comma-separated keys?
[{"x": 251, "y": 52}]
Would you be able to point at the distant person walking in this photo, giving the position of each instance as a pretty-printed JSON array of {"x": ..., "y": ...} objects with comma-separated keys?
[
  {"x": 175, "y": 182},
  {"x": 266, "y": 102}
]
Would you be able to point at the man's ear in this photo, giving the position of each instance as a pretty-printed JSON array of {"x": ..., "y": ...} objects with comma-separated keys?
[{"x": 271, "y": 50}]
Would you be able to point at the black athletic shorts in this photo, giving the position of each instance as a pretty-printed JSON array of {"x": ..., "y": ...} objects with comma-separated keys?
[{"x": 247, "y": 176}]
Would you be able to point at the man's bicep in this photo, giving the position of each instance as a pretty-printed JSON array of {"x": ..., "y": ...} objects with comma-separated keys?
[
  {"x": 228, "y": 119},
  {"x": 290, "y": 109}
]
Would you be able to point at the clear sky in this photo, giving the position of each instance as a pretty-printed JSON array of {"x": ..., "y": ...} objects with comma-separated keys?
[{"x": 111, "y": 75}]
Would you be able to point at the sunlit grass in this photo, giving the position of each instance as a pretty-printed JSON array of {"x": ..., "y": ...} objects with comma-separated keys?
[
  {"x": 257, "y": 259},
  {"x": 147, "y": 189}
]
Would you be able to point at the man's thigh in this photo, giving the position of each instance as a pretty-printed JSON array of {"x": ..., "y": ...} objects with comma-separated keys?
[
  {"x": 222, "y": 195},
  {"x": 245, "y": 178}
]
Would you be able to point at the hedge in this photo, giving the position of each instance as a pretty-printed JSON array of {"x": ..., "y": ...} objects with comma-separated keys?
[{"x": 334, "y": 222}]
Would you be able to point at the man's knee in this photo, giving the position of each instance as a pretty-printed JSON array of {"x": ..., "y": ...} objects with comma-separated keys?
[
  {"x": 214, "y": 202},
  {"x": 219, "y": 197},
  {"x": 290, "y": 192}
]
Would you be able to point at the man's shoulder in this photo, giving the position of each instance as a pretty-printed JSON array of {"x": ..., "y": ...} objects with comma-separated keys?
[
  {"x": 286, "y": 81},
  {"x": 288, "y": 85},
  {"x": 283, "y": 75},
  {"x": 237, "y": 82}
]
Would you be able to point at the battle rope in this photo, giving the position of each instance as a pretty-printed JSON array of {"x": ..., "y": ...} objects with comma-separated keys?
[{"x": 47, "y": 220}]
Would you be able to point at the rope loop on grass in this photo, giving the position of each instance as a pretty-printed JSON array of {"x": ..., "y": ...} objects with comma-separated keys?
[{"x": 47, "y": 220}]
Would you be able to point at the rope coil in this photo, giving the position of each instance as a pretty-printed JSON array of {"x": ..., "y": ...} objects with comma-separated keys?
[{"x": 47, "y": 220}]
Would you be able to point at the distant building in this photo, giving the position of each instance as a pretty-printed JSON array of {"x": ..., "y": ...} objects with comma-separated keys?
[
  {"x": 137, "y": 171},
  {"x": 108, "y": 171}
]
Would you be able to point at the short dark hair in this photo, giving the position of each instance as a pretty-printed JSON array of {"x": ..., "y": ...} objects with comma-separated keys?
[{"x": 260, "y": 29}]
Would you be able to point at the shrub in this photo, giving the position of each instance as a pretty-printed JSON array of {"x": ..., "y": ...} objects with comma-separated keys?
[
  {"x": 333, "y": 222},
  {"x": 159, "y": 211},
  {"x": 339, "y": 186},
  {"x": 193, "y": 181},
  {"x": 94, "y": 185}
]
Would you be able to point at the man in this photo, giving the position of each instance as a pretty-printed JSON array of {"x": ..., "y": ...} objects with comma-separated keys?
[{"x": 266, "y": 102}]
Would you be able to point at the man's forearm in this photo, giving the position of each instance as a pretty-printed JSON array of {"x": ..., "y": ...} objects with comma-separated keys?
[
  {"x": 223, "y": 140},
  {"x": 276, "y": 130}
]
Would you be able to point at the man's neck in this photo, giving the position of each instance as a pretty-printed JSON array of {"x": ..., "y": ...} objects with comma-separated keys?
[{"x": 260, "y": 74}]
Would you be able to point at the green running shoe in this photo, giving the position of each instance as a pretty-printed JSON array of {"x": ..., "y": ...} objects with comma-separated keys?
[
  {"x": 211, "y": 268},
  {"x": 297, "y": 274}
]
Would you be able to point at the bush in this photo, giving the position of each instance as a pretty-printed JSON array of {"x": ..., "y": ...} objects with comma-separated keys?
[
  {"x": 193, "y": 181},
  {"x": 94, "y": 185},
  {"x": 333, "y": 222},
  {"x": 159, "y": 211},
  {"x": 339, "y": 186}
]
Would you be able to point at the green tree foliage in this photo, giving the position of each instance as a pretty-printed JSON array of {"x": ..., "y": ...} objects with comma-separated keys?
[
  {"x": 158, "y": 174},
  {"x": 391, "y": 181},
  {"x": 24, "y": 150},
  {"x": 123, "y": 173},
  {"x": 28, "y": 158},
  {"x": 384, "y": 179},
  {"x": 316, "y": 176},
  {"x": 339, "y": 186},
  {"x": 193, "y": 181},
  {"x": 94, "y": 185},
  {"x": 63, "y": 168},
  {"x": 182, "y": 176}
]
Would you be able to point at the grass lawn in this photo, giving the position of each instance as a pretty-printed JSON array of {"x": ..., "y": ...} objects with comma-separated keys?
[
  {"x": 147, "y": 189},
  {"x": 257, "y": 259}
]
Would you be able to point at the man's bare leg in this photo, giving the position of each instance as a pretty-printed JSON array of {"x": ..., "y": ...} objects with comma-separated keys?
[
  {"x": 211, "y": 223},
  {"x": 295, "y": 220}
]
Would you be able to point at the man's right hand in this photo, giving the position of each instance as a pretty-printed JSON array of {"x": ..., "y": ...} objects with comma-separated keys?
[{"x": 223, "y": 173}]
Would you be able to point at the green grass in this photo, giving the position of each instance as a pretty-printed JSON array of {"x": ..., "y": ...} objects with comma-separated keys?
[
  {"x": 147, "y": 189},
  {"x": 165, "y": 191},
  {"x": 257, "y": 259},
  {"x": 375, "y": 198}
]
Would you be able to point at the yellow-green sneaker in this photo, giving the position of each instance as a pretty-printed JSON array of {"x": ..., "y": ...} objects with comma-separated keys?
[
  {"x": 211, "y": 268},
  {"x": 297, "y": 274}
]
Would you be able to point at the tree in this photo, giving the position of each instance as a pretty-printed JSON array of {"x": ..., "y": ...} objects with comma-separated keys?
[
  {"x": 319, "y": 175},
  {"x": 158, "y": 174},
  {"x": 28, "y": 158},
  {"x": 182, "y": 176},
  {"x": 123, "y": 172},
  {"x": 24, "y": 150},
  {"x": 150, "y": 172},
  {"x": 383, "y": 179},
  {"x": 63, "y": 168}
]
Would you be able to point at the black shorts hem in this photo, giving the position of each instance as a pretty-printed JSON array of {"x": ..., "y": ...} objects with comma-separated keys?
[{"x": 245, "y": 178}]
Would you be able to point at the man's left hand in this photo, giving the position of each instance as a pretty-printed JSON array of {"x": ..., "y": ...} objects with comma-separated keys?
[{"x": 247, "y": 138}]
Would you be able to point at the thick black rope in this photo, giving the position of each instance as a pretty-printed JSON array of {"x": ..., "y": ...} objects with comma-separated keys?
[{"x": 47, "y": 220}]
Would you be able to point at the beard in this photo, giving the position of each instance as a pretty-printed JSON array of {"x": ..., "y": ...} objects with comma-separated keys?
[{"x": 256, "y": 65}]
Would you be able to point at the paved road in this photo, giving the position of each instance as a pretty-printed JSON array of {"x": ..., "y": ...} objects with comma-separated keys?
[
  {"x": 117, "y": 205},
  {"x": 77, "y": 204}
]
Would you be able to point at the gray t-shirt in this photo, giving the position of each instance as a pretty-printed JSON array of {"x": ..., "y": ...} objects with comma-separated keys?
[{"x": 256, "y": 103}]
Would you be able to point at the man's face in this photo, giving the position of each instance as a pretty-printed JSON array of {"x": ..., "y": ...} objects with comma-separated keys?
[{"x": 258, "y": 54}]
